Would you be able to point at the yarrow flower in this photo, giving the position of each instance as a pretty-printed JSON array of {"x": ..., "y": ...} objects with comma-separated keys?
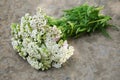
[{"x": 40, "y": 44}]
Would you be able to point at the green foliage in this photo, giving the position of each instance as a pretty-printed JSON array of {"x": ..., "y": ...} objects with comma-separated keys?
[{"x": 80, "y": 20}]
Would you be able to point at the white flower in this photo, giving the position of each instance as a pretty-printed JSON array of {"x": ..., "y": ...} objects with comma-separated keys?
[
  {"x": 14, "y": 43},
  {"x": 33, "y": 62},
  {"x": 34, "y": 33},
  {"x": 39, "y": 43}
]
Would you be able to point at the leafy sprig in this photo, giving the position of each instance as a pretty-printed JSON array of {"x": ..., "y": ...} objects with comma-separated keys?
[{"x": 80, "y": 20}]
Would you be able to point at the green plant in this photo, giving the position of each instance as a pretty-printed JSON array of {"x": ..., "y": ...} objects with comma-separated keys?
[{"x": 80, "y": 20}]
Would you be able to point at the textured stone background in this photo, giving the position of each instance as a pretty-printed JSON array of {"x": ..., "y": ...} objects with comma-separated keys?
[{"x": 95, "y": 57}]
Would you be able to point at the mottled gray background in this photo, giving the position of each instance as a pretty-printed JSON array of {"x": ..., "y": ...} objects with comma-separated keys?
[{"x": 95, "y": 57}]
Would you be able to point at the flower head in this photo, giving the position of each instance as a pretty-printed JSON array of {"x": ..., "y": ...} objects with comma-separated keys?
[{"x": 40, "y": 44}]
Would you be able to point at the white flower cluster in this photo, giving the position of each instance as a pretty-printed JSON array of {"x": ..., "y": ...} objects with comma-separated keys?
[{"x": 38, "y": 43}]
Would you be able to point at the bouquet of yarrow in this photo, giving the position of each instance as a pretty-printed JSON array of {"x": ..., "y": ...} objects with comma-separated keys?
[{"x": 41, "y": 39}]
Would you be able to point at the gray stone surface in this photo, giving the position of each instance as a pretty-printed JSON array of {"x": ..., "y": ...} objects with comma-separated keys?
[{"x": 95, "y": 57}]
